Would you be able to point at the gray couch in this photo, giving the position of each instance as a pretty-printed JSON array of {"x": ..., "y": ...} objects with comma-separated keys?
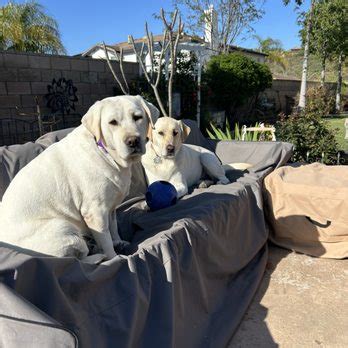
[{"x": 186, "y": 279}]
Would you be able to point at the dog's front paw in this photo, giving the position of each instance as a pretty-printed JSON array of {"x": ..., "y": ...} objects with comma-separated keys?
[
  {"x": 223, "y": 181},
  {"x": 94, "y": 259},
  {"x": 120, "y": 246},
  {"x": 205, "y": 184}
]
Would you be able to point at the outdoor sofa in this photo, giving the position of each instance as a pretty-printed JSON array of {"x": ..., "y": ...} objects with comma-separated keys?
[{"x": 186, "y": 279}]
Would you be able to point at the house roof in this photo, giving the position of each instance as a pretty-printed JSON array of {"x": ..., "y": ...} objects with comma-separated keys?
[
  {"x": 248, "y": 50},
  {"x": 90, "y": 50},
  {"x": 158, "y": 38}
]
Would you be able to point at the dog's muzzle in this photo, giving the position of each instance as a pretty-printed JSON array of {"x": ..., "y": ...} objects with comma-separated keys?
[
  {"x": 134, "y": 145},
  {"x": 170, "y": 150}
]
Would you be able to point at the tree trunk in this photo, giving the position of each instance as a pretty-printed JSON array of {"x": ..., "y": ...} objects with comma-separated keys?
[
  {"x": 323, "y": 71},
  {"x": 339, "y": 83},
  {"x": 199, "y": 75},
  {"x": 302, "y": 101},
  {"x": 170, "y": 82}
]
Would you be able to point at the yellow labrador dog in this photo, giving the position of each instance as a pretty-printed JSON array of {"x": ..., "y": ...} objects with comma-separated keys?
[
  {"x": 71, "y": 190},
  {"x": 167, "y": 158}
]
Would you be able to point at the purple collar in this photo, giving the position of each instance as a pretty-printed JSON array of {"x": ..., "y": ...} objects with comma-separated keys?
[{"x": 101, "y": 145}]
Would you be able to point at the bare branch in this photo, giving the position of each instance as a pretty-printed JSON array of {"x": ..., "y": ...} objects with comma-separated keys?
[
  {"x": 170, "y": 40},
  {"x": 177, "y": 39},
  {"x": 122, "y": 71},
  {"x": 164, "y": 48},
  {"x": 148, "y": 78},
  {"x": 140, "y": 59},
  {"x": 173, "y": 44},
  {"x": 142, "y": 49},
  {"x": 150, "y": 45},
  {"x": 125, "y": 91},
  {"x": 120, "y": 59}
]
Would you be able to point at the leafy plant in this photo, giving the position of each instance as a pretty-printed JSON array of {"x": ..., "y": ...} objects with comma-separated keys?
[
  {"x": 313, "y": 140},
  {"x": 219, "y": 134},
  {"x": 274, "y": 50},
  {"x": 320, "y": 101}
]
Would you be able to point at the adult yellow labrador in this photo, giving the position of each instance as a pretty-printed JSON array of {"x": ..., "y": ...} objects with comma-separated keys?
[
  {"x": 167, "y": 158},
  {"x": 71, "y": 190}
]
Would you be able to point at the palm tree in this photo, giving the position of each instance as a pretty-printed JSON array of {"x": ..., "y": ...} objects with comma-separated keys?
[
  {"x": 274, "y": 49},
  {"x": 26, "y": 27}
]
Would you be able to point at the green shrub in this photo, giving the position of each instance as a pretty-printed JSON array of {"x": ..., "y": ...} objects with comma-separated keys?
[
  {"x": 311, "y": 137},
  {"x": 320, "y": 101},
  {"x": 233, "y": 78}
]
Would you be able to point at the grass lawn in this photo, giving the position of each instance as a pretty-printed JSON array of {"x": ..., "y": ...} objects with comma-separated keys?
[{"x": 338, "y": 124}]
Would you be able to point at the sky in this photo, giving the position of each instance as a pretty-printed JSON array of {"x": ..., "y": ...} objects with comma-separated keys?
[{"x": 84, "y": 23}]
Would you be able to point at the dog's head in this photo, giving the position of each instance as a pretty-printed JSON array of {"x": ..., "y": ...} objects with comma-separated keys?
[
  {"x": 168, "y": 135},
  {"x": 122, "y": 124}
]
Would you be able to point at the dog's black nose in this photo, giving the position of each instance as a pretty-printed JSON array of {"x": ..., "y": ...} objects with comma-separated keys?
[
  {"x": 132, "y": 141},
  {"x": 170, "y": 149}
]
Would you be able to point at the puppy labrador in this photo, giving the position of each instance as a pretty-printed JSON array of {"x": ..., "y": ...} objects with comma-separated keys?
[
  {"x": 167, "y": 158},
  {"x": 71, "y": 190}
]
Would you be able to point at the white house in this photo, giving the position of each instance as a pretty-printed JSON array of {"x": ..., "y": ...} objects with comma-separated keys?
[
  {"x": 186, "y": 44},
  {"x": 204, "y": 48}
]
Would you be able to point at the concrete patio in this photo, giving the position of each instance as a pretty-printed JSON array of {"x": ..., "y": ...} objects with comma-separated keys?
[{"x": 302, "y": 302}]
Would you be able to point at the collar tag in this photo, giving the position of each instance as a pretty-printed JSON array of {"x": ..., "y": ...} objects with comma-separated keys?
[{"x": 157, "y": 160}]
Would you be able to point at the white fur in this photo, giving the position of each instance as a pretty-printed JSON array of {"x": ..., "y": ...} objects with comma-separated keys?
[
  {"x": 184, "y": 168},
  {"x": 72, "y": 189}
]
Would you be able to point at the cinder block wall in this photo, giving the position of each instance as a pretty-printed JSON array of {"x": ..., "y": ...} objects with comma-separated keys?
[
  {"x": 26, "y": 75},
  {"x": 283, "y": 89}
]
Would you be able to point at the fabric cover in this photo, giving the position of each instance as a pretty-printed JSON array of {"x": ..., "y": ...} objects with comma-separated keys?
[
  {"x": 307, "y": 206},
  {"x": 27, "y": 326},
  {"x": 186, "y": 279}
]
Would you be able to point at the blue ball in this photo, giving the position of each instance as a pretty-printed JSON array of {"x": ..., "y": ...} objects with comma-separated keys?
[{"x": 160, "y": 194}]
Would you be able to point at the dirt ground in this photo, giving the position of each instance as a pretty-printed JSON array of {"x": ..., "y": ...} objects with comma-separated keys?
[{"x": 302, "y": 302}]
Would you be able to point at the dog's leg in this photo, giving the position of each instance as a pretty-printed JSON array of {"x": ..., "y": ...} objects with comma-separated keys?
[
  {"x": 98, "y": 223},
  {"x": 94, "y": 259},
  {"x": 118, "y": 243},
  {"x": 213, "y": 167},
  {"x": 179, "y": 183}
]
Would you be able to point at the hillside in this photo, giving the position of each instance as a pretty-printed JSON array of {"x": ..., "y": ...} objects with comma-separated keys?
[{"x": 294, "y": 59}]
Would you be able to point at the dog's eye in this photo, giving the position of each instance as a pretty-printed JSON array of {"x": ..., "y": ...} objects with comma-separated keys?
[
  {"x": 161, "y": 133},
  {"x": 113, "y": 122},
  {"x": 137, "y": 117},
  {"x": 175, "y": 132}
]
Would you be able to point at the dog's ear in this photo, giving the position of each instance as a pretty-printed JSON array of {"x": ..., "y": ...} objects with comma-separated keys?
[
  {"x": 185, "y": 131},
  {"x": 92, "y": 120},
  {"x": 149, "y": 132},
  {"x": 151, "y": 111}
]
